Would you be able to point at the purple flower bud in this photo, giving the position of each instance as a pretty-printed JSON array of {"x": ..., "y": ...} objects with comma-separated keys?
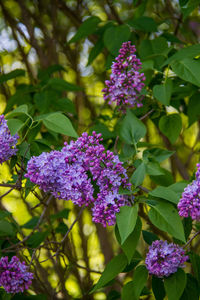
[
  {"x": 164, "y": 259},
  {"x": 7, "y": 142},
  {"x": 125, "y": 82}
]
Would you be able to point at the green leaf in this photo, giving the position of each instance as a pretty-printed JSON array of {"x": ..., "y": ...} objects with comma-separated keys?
[
  {"x": 112, "y": 269},
  {"x": 95, "y": 51},
  {"x": 59, "y": 123},
  {"x": 143, "y": 23},
  {"x": 158, "y": 288},
  {"x": 171, "y": 126},
  {"x": 115, "y": 36},
  {"x": 31, "y": 223},
  {"x": 153, "y": 168},
  {"x": 187, "y": 69},
  {"x": 22, "y": 109},
  {"x": 165, "y": 193},
  {"x": 133, "y": 289},
  {"x": 61, "y": 214},
  {"x": 29, "y": 297},
  {"x": 14, "y": 125},
  {"x": 138, "y": 175},
  {"x": 163, "y": 92},
  {"x": 62, "y": 85},
  {"x": 175, "y": 284},
  {"x": 126, "y": 220},
  {"x": 88, "y": 27},
  {"x": 188, "y": 52},
  {"x": 149, "y": 237},
  {"x": 44, "y": 74},
  {"x": 11, "y": 75},
  {"x": 36, "y": 239},
  {"x": 165, "y": 216},
  {"x": 130, "y": 244},
  {"x": 194, "y": 109},
  {"x": 132, "y": 129},
  {"x": 191, "y": 290},
  {"x": 6, "y": 228},
  {"x": 195, "y": 260},
  {"x": 188, "y": 9},
  {"x": 158, "y": 154}
]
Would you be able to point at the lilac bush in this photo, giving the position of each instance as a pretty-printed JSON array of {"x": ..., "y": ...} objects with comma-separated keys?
[
  {"x": 14, "y": 275},
  {"x": 85, "y": 173},
  {"x": 126, "y": 82},
  {"x": 164, "y": 259},
  {"x": 7, "y": 142}
]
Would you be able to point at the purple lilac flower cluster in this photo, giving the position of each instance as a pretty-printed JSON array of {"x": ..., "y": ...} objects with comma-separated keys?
[
  {"x": 126, "y": 82},
  {"x": 7, "y": 142},
  {"x": 164, "y": 259},
  {"x": 14, "y": 275},
  {"x": 84, "y": 173},
  {"x": 189, "y": 204}
]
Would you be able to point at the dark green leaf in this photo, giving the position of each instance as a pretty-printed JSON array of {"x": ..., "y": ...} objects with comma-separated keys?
[
  {"x": 175, "y": 284},
  {"x": 165, "y": 193},
  {"x": 6, "y": 228},
  {"x": 36, "y": 239},
  {"x": 112, "y": 269},
  {"x": 31, "y": 223},
  {"x": 126, "y": 220},
  {"x": 191, "y": 291},
  {"x": 171, "y": 126},
  {"x": 133, "y": 289},
  {"x": 22, "y": 109},
  {"x": 87, "y": 27},
  {"x": 60, "y": 84},
  {"x": 153, "y": 168},
  {"x": 157, "y": 154},
  {"x": 164, "y": 216},
  {"x": 158, "y": 288},
  {"x": 188, "y": 52},
  {"x": 194, "y": 109},
  {"x": 61, "y": 214},
  {"x": 132, "y": 129},
  {"x": 29, "y": 297},
  {"x": 59, "y": 123},
  {"x": 131, "y": 242},
  {"x": 143, "y": 23},
  {"x": 95, "y": 51},
  {"x": 44, "y": 74},
  {"x": 14, "y": 125},
  {"x": 115, "y": 36},
  {"x": 163, "y": 92},
  {"x": 195, "y": 260},
  {"x": 11, "y": 75},
  {"x": 187, "y": 69},
  {"x": 149, "y": 237},
  {"x": 138, "y": 175}
]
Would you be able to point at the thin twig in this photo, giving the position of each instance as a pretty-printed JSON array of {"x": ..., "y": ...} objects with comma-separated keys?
[
  {"x": 190, "y": 240},
  {"x": 147, "y": 114}
]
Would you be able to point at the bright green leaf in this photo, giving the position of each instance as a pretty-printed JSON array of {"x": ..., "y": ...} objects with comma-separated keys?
[
  {"x": 138, "y": 175},
  {"x": 163, "y": 92},
  {"x": 14, "y": 125},
  {"x": 59, "y": 123}
]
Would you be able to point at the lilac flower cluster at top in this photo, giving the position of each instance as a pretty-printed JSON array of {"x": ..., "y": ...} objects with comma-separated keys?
[
  {"x": 126, "y": 82},
  {"x": 14, "y": 275},
  {"x": 189, "y": 204},
  {"x": 164, "y": 259},
  {"x": 84, "y": 173},
  {"x": 7, "y": 142}
]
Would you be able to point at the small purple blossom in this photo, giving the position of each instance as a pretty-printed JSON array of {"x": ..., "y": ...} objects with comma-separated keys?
[
  {"x": 84, "y": 173},
  {"x": 164, "y": 259},
  {"x": 126, "y": 82},
  {"x": 7, "y": 142},
  {"x": 14, "y": 275},
  {"x": 189, "y": 204}
]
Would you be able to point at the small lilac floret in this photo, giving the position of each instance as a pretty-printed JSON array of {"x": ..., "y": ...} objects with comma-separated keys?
[
  {"x": 84, "y": 173},
  {"x": 189, "y": 204},
  {"x": 126, "y": 82},
  {"x": 164, "y": 259},
  {"x": 7, "y": 142},
  {"x": 14, "y": 275}
]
